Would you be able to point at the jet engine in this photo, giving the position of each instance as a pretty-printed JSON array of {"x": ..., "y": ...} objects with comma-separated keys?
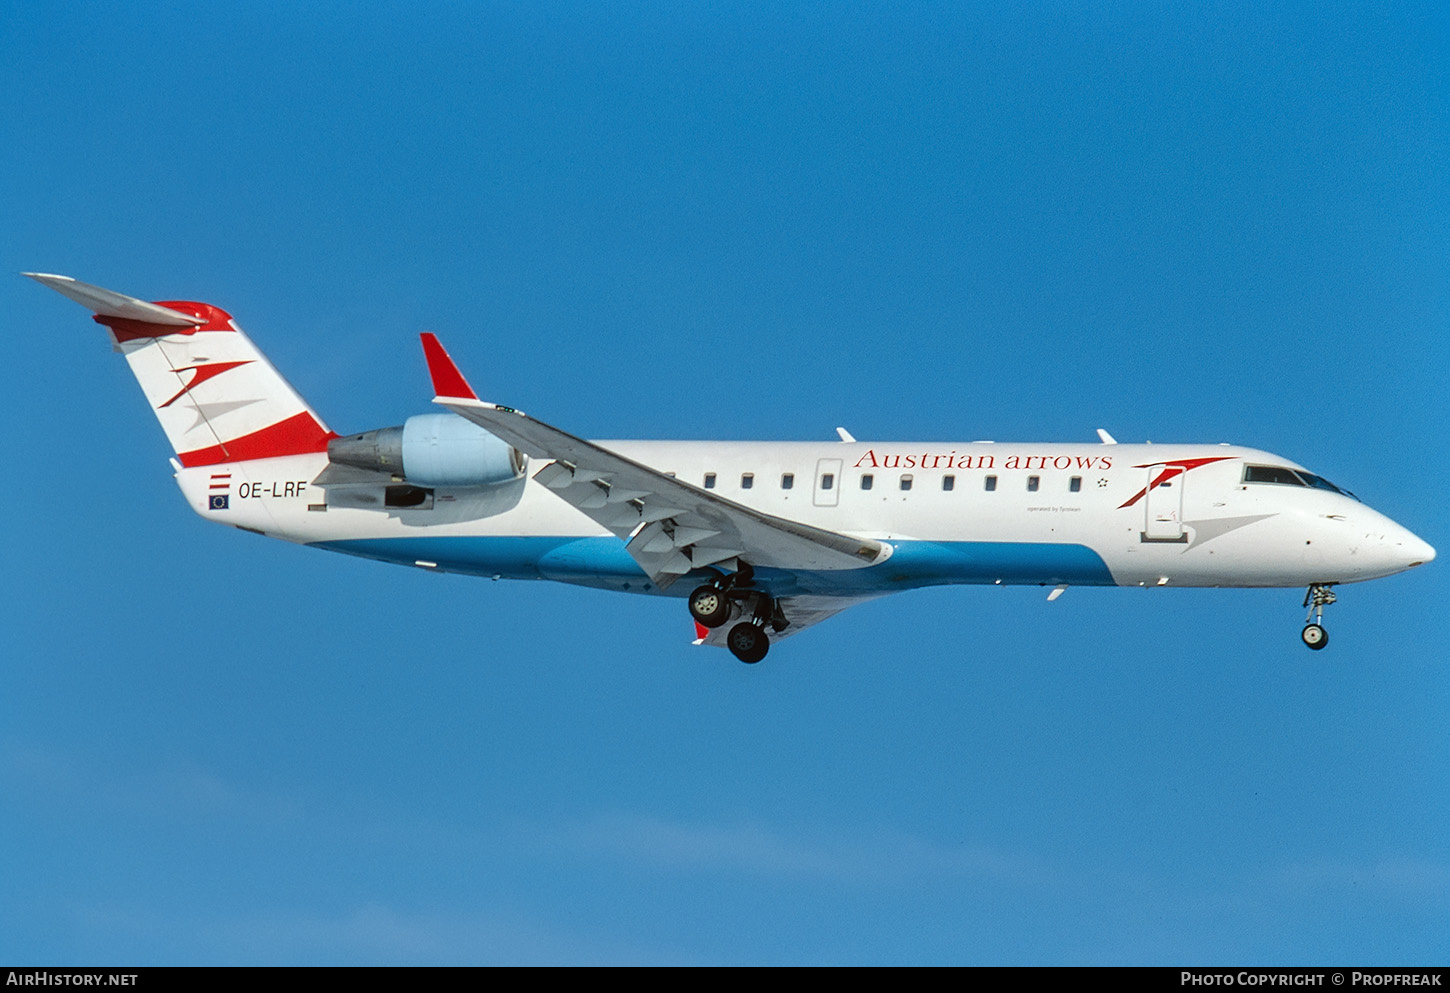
[{"x": 432, "y": 450}]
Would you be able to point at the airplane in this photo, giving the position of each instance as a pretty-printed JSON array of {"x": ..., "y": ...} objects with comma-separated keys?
[{"x": 763, "y": 540}]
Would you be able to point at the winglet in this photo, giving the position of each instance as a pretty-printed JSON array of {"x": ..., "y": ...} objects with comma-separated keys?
[
  {"x": 1106, "y": 438},
  {"x": 447, "y": 380}
]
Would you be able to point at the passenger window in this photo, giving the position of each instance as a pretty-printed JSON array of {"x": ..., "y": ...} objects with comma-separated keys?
[
  {"x": 747, "y": 480},
  {"x": 787, "y": 481},
  {"x": 1074, "y": 484},
  {"x": 828, "y": 479},
  {"x": 949, "y": 483},
  {"x": 866, "y": 480},
  {"x": 709, "y": 480},
  {"x": 991, "y": 483},
  {"x": 1032, "y": 482},
  {"x": 906, "y": 481}
]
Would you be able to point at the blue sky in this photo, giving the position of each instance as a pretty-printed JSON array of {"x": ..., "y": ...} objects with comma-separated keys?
[{"x": 755, "y": 221}]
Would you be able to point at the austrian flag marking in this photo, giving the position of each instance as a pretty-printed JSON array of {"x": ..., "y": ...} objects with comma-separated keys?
[{"x": 219, "y": 494}]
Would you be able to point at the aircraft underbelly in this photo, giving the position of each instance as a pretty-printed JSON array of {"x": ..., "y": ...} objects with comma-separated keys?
[{"x": 602, "y": 562}]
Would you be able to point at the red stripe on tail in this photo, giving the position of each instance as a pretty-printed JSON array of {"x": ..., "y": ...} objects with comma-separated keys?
[
  {"x": 297, "y": 435},
  {"x": 210, "y": 318}
]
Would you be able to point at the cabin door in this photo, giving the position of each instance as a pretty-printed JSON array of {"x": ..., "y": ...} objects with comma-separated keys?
[{"x": 1163, "y": 504}]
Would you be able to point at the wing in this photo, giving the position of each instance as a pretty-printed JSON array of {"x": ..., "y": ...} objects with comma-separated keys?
[{"x": 669, "y": 526}]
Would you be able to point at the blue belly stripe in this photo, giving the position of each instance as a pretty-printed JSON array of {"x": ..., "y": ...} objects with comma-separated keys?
[{"x": 602, "y": 562}]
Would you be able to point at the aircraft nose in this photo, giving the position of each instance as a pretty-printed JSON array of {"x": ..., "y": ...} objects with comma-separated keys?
[
  {"x": 1420, "y": 551},
  {"x": 1385, "y": 547},
  {"x": 1410, "y": 550}
]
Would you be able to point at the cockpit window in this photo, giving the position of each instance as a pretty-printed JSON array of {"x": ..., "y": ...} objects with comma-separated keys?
[
  {"x": 1271, "y": 474},
  {"x": 1290, "y": 477}
]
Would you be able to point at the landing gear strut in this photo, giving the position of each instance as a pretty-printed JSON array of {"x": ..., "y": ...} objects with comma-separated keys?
[
  {"x": 712, "y": 605},
  {"x": 1318, "y": 597}
]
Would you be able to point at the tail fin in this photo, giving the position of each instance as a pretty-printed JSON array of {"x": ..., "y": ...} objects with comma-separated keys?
[{"x": 217, "y": 397}]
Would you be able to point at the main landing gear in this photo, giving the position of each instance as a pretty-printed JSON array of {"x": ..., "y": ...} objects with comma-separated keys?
[
  {"x": 714, "y": 604},
  {"x": 1318, "y": 597},
  {"x": 748, "y": 642},
  {"x": 709, "y": 606}
]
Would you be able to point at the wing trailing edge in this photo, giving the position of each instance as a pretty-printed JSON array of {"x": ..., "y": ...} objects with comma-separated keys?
[{"x": 670, "y": 527}]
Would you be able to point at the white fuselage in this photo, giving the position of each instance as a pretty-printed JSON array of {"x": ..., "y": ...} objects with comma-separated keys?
[{"x": 1126, "y": 515}]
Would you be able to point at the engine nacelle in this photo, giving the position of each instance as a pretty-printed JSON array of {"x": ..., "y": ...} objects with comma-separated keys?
[{"x": 432, "y": 450}]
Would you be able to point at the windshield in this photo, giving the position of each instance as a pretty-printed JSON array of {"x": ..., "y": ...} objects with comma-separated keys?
[
  {"x": 1320, "y": 483},
  {"x": 1284, "y": 476}
]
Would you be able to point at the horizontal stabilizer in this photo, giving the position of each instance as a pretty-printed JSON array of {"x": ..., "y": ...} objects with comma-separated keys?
[{"x": 109, "y": 303}]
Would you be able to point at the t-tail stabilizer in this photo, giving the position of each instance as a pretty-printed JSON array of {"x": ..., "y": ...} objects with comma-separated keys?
[{"x": 217, "y": 397}]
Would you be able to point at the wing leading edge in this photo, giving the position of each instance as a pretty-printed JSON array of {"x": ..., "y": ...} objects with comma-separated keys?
[{"x": 669, "y": 526}]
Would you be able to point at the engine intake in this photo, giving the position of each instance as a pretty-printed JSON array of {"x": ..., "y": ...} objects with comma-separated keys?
[{"x": 432, "y": 450}]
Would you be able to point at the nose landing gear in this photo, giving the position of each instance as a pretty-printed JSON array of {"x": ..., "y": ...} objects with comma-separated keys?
[{"x": 1316, "y": 599}]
